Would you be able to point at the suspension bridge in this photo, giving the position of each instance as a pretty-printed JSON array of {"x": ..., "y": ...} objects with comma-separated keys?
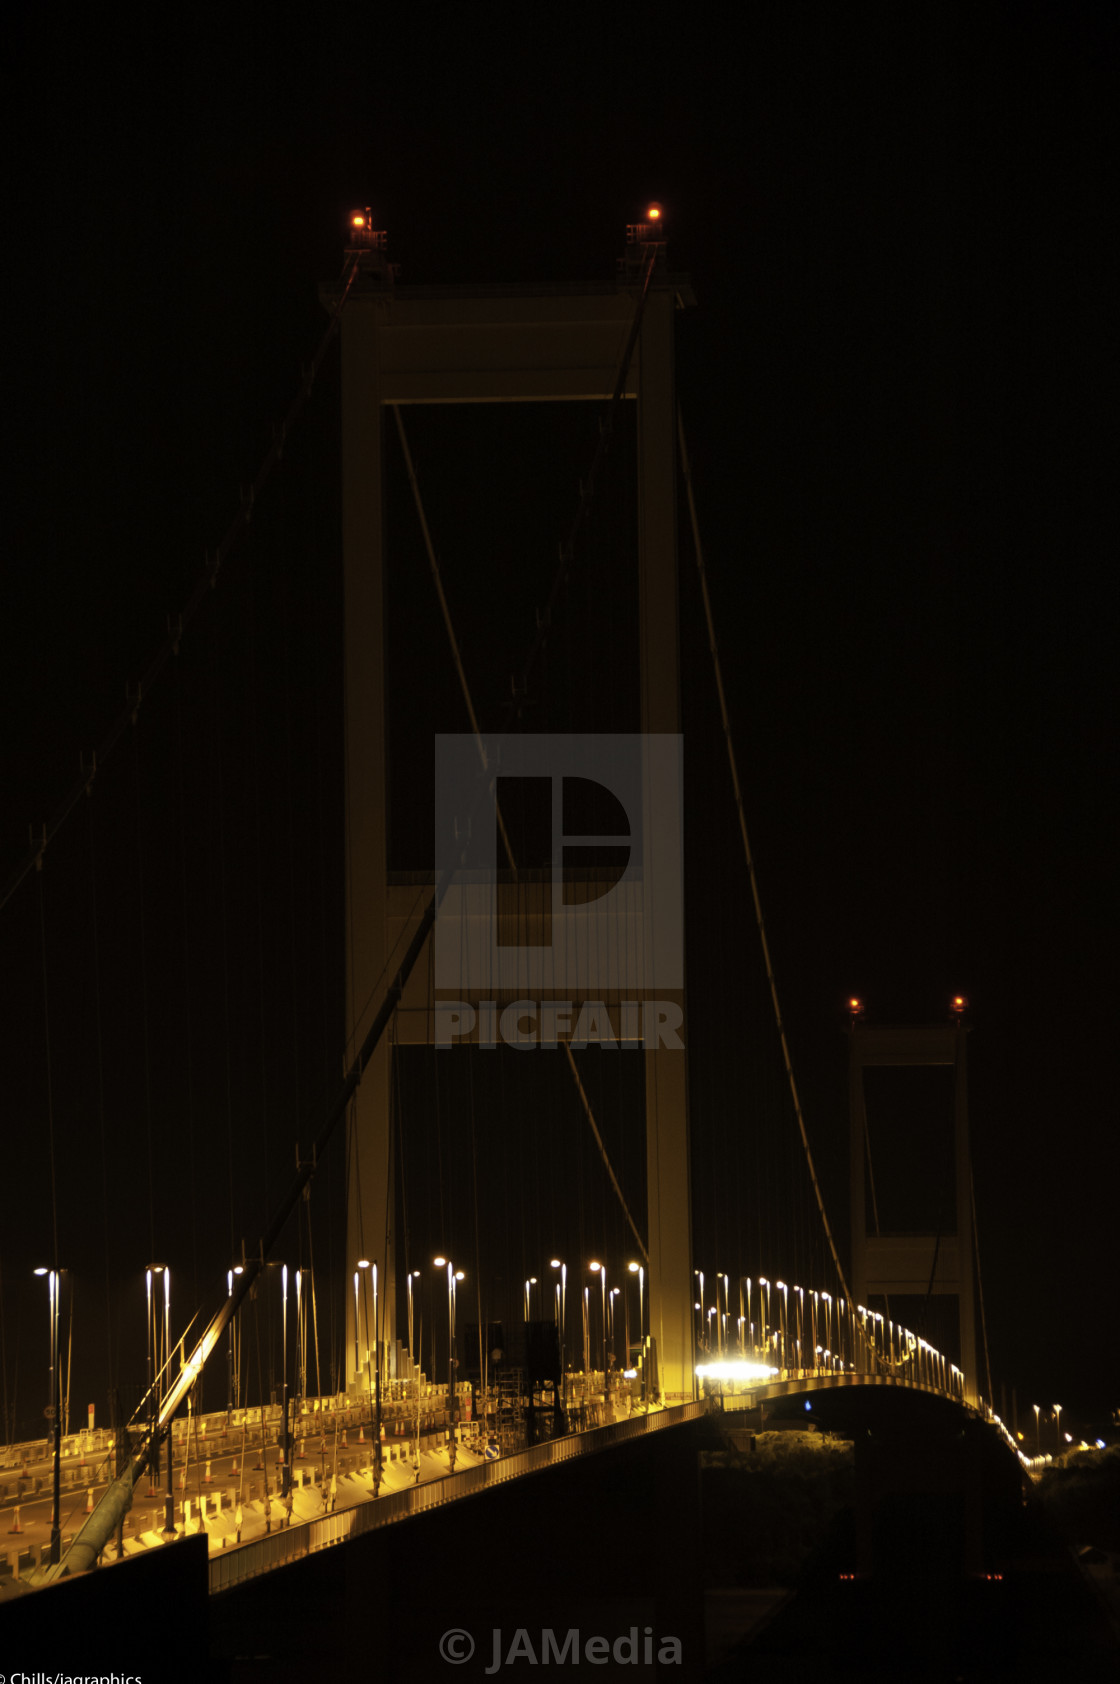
[{"x": 412, "y": 1265}]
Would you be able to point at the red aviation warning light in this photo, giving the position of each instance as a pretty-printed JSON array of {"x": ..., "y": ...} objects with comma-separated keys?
[
  {"x": 958, "y": 1004},
  {"x": 855, "y": 1008}
]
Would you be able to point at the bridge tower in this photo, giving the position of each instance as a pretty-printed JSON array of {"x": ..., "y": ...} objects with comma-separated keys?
[
  {"x": 404, "y": 345},
  {"x": 913, "y": 1264}
]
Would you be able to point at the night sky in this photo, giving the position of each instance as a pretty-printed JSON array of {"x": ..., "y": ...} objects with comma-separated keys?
[{"x": 896, "y": 389}]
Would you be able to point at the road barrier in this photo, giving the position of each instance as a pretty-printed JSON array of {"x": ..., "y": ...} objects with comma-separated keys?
[{"x": 246, "y": 1561}]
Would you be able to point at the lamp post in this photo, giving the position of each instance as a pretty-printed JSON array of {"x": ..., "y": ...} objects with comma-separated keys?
[
  {"x": 763, "y": 1308},
  {"x": 600, "y": 1269},
  {"x": 1037, "y": 1431},
  {"x": 233, "y": 1363},
  {"x": 784, "y": 1290},
  {"x": 373, "y": 1359},
  {"x": 561, "y": 1307},
  {"x": 54, "y": 1414},
  {"x": 453, "y": 1275},
  {"x": 1058, "y": 1427},
  {"x": 286, "y": 1477},
  {"x": 799, "y": 1293},
  {"x": 639, "y": 1270},
  {"x": 413, "y": 1275},
  {"x": 611, "y": 1296},
  {"x": 157, "y": 1380}
]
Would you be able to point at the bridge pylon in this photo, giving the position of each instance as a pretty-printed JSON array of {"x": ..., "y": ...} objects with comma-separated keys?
[
  {"x": 404, "y": 345},
  {"x": 916, "y": 1264}
]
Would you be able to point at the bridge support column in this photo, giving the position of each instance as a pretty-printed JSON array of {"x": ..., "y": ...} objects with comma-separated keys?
[
  {"x": 369, "y": 1171},
  {"x": 668, "y": 1178},
  {"x": 462, "y": 345}
]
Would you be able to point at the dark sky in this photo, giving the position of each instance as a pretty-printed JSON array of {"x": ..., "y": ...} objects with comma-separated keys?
[{"x": 895, "y": 384}]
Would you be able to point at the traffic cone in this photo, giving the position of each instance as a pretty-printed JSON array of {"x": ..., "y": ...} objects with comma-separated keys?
[
  {"x": 89, "y": 1500},
  {"x": 361, "y": 1435},
  {"x": 206, "y": 1478},
  {"x": 17, "y": 1527}
]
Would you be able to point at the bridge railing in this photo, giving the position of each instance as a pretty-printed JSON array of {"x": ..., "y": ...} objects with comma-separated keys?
[{"x": 245, "y": 1561}]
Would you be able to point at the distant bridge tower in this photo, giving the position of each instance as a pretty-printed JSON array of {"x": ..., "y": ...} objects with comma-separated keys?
[
  {"x": 501, "y": 344},
  {"x": 904, "y": 1264}
]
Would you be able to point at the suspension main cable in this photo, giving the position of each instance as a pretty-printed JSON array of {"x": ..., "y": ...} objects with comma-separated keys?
[{"x": 737, "y": 788}]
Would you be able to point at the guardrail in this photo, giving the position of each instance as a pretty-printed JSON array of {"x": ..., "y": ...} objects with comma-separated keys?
[{"x": 241, "y": 1562}]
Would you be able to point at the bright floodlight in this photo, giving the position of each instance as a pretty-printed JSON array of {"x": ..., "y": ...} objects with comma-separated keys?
[
  {"x": 735, "y": 1371},
  {"x": 440, "y": 1262}
]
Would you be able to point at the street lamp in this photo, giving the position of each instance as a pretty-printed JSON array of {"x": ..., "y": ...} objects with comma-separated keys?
[
  {"x": 611, "y": 1296},
  {"x": 1058, "y": 1425},
  {"x": 639, "y": 1270},
  {"x": 561, "y": 1307},
  {"x": 286, "y": 1477},
  {"x": 1037, "y": 1430},
  {"x": 764, "y": 1310},
  {"x": 784, "y": 1290},
  {"x": 413, "y": 1275},
  {"x": 54, "y": 1286},
  {"x": 726, "y": 1314},
  {"x": 156, "y": 1381},
  {"x": 453, "y": 1275},
  {"x": 233, "y": 1353},
  {"x": 600, "y": 1269}
]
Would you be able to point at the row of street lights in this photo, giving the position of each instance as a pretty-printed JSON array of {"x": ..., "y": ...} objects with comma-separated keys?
[{"x": 607, "y": 1308}]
